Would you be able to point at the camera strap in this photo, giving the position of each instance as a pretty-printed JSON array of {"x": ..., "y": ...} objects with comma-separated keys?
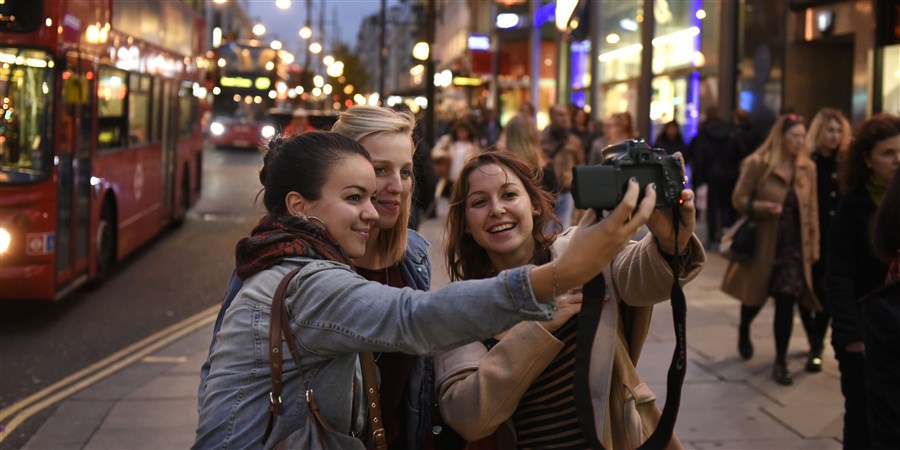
[{"x": 588, "y": 321}]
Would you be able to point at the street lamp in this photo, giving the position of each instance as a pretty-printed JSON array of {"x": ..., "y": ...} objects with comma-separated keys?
[
  {"x": 335, "y": 70},
  {"x": 283, "y": 4},
  {"x": 420, "y": 51},
  {"x": 259, "y": 29},
  {"x": 276, "y": 44},
  {"x": 305, "y": 32},
  {"x": 315, "y": 47},
  {"x": 328, "y": 60}
]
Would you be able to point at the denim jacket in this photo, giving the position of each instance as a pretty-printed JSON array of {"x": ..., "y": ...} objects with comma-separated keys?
[
  {"x": 335, "y": 313},
  {"x": 416, "y": 270}
]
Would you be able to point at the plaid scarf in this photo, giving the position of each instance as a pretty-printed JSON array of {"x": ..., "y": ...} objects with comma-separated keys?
[{"x": 276, "y": 237}]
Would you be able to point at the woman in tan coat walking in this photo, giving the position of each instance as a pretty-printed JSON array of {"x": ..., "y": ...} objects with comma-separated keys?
[{"x": 777, "y": 186}]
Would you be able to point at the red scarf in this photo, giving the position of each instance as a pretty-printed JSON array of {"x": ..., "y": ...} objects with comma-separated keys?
[{"x": 276, "y": 237}]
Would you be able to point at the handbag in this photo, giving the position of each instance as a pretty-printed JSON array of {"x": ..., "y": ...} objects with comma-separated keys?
[
  {"x": 320, "y": 433},
  {"x": 739, "y": 240}
]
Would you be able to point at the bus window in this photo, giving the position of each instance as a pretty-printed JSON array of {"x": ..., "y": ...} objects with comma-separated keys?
[
  {"x": 26, "y": 80},
  {"x": 138, "y": 109},
  {"x": 187, "y": 114},
  {"x": 111, "y": 92}
]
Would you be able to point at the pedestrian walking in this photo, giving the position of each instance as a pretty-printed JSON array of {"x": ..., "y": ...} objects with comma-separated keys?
[
  {"x": 670, "y": 139},
  {"x": 317, "y": 192},
  {"x": 499, "y": 389},
  {"x": 777, "y": 185},
  {"x": 451, "y": 152},
  {"x": 563, "y": 149},
  {"x": 829, "y": 136},
  {"x": 522, "y": 138},
  {"x": 853, "y": 270}
]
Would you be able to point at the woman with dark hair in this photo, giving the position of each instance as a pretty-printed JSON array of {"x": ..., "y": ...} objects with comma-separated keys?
[
  {"x": 777, "y": 187},
  {"x": 880, "y": 312},
  {"x": 829, "y": 136},
  {"x": 853, "y": 269},
  {"x": 497, "y": 221},
  {"x": 318, "y": 190},
  {"x": 670, "y": 138}
]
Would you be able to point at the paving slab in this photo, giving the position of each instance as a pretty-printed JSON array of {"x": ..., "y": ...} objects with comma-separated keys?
[{"x": 71, "y": 425}]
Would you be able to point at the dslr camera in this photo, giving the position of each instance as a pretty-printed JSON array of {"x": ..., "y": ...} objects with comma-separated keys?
[{"x": 602, "y": 186}]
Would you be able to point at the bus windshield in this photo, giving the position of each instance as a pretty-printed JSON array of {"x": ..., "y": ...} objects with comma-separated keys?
[
  {"x": 245, "y": 59},
  {"x": 26, "y": 82}
]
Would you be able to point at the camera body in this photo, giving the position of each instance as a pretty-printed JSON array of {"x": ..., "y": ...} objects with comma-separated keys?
[{"x": 602, "y": 186}]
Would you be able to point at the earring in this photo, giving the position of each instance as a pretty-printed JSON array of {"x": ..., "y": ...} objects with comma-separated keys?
[
  {"x": 536, "y": 213},
  {"x": 311, "y": 218}
]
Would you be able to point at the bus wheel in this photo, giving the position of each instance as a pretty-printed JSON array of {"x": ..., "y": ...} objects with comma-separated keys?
[{"x": 106, "y": 245}]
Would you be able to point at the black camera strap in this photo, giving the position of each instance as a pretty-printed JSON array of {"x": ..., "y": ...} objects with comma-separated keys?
[{"x": 588, "y": 321}]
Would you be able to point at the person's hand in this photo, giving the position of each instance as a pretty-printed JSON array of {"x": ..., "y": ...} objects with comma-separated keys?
[
  {"x": 660, "y": 224},
  {"x": 568, "y": 305},
  {"x": 856, "y": 347},
  {"x": 595, "y": 243},
  {"x": 772, "y": 208}
]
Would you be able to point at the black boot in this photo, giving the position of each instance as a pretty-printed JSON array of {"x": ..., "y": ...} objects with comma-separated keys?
[
  {"x": 781, "y": 375},
  {"x": 745, "y": 346},
  {"x": 814, "y": 362}
]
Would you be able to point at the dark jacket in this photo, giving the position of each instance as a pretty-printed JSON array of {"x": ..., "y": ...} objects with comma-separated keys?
[
  {"x": 853, "y": 269},
  {"x": 880, "y": 313},
  {"x": 829, "y": 198},
  {"x": 715, "y": 156}
]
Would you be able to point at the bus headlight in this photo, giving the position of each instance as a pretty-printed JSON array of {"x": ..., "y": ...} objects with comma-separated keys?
[
  {"x": 217, "y": 129},
  {"x": 5, "y": 239},
  {"x": 267, "y": 131}
]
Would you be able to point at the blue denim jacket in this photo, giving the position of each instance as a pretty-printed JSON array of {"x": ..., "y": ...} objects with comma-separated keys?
[
  {"x": 416, "y": 270},
  {"x": 335, "y": 314}
]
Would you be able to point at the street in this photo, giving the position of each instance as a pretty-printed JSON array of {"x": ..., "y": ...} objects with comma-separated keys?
[{"x": 178, "y": 274}]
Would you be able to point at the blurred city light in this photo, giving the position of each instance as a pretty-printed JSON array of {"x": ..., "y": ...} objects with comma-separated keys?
[
  {"x": 315, "y": 47},
  {"x": 507, "y": 20},
  {"x": 328, "y": 60},
  {"x": 420, "y": 51},
  {"x": 276, "y": 44},
  {"x": 305, "y": 32},
  {"x": 259, "y": 29},
  {"x": 283, "y": 4}
]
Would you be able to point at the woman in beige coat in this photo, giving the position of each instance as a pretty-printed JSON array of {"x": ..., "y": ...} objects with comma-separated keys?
[
  {"x": 777, "y": 186},
  {"x": 497, "y": 389}
]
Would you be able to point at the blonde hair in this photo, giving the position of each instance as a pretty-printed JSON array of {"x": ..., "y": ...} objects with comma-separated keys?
[
  {"x": 361, "y": 121},
  {"x": 820, "y": 123},
  {"x": 523, "y": 139},
  {"x": 771, "y": 149}
]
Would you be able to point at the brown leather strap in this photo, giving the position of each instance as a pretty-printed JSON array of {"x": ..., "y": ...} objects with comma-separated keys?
[
  {"x": 280, "y": 325},
  {"x": 376, "y": 440}
]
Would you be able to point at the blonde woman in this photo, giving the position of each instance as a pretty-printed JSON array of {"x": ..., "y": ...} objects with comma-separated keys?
[
  {"x": 829, "y": 136},
  {"x": 778, "y": 184},
  {"x": 522, "y": 138}
]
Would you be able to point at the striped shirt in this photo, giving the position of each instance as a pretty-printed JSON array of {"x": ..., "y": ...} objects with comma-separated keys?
[{"x": 546, "y": 416}]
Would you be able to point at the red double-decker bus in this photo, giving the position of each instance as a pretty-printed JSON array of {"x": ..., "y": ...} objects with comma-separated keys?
[
  {"x": 249, "y": 76},
  {"x": 100, "y": 139}
]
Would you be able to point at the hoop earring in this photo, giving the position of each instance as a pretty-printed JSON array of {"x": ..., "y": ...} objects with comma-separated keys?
[{"x": 311, "y": 218}]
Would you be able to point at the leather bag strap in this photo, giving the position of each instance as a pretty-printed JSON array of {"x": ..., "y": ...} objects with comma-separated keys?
[
  {"x": 377, "y": 439},
  {"x": 280, "y": 325}
]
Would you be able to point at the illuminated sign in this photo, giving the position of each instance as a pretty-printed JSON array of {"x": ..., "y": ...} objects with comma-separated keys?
[
  {"x": 467, "y": 81},
  {"x": 479, "y": 42},
  {"x": 237, "y": 82},
  {"x": 262, "y": 83}
]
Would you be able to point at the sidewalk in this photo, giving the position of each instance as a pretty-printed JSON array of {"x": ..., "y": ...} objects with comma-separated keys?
[{"x": 727, "y": 403}]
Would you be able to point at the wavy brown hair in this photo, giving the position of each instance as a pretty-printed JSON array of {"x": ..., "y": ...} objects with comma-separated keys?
[
  {"x": 467, "y": 260},
  {"x": 853, "y": 171}
]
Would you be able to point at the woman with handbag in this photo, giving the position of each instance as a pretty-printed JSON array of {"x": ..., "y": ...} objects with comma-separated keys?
[
  {"x": 396, "y": 256},
  {"x": 853, "y": 268},
  {"x": 494, "y": 392},
  {"x": 781, "y": 179},
  {"x": 829, "y": 136},
  {"x": 318, "y": 190}
]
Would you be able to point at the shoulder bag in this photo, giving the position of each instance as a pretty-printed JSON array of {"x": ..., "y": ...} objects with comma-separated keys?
[
  {"x": 739, "y": 240},
  {"x": 323, "y": 436}
]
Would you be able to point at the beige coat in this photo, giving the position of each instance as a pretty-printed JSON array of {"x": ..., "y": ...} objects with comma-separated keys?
[
  {"x": 748, "y": 281},
  {"x": 479, "y": 390}
]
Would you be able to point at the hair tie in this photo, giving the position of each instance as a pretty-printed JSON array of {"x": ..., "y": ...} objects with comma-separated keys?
[{"x": 274, "y": 143}]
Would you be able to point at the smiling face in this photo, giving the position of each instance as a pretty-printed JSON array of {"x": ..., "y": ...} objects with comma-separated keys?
[
  {"x": 499, "y": 216},
  {"x": 392, "y": 157},
  {"x": 345, "y": 204},
  {"x": 885, "y": 159}
]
